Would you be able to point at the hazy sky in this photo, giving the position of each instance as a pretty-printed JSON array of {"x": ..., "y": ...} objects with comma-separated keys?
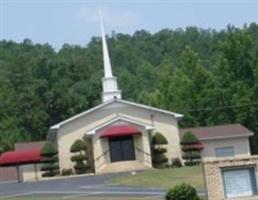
[{"x": 76, "y": 21}]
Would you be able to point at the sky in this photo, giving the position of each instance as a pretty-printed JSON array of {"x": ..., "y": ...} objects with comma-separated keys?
[{"x": 76, "y": 21}]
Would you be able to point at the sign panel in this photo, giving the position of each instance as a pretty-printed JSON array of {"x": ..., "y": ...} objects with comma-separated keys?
[{"x": 238, "y": 183}]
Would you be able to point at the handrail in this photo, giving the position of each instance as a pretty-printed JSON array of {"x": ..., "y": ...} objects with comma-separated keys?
[
  {"x": 148, "y": 160},
  {"x": 102, "y": 155},
  {"x": 138, "y": 149}
]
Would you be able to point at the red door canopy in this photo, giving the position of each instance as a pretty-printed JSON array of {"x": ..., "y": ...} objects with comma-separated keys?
[
  {"x": 120, "y": 130},
  {"x": 20, "y": 157}
]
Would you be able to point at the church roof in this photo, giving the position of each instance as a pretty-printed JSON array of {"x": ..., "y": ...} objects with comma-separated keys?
[
  {"x": 176, "y": 115},
  {"x": 218, "y": 132}
]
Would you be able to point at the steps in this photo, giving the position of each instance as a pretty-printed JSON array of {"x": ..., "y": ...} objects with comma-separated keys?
[{"x": 123, "y": 166}]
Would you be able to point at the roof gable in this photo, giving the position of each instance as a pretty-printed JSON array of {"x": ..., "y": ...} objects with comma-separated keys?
[
  {"x": 120, "y": 118},
  {"x": 176, "y": 115}
]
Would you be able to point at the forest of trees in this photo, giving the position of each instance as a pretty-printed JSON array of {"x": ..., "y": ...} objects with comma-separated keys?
[{"x": 209, "y": 76}]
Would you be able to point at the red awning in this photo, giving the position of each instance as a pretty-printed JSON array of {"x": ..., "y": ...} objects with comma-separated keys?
[
  {"x": 20, "y": 157},
  {"x": 120, "y": 130}
]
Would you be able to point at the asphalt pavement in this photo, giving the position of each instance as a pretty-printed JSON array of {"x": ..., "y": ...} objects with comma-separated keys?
[{"x": 73, "y": 187}]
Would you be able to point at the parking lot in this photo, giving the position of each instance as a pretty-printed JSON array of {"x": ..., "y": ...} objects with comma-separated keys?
[{"x": 77, "y": 187}]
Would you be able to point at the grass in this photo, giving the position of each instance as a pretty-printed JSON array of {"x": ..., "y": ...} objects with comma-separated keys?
[{"x": 163, "y": 178}]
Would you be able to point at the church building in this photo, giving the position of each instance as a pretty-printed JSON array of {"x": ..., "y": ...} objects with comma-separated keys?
[
  {"x": 119, "y": 136},
  {"x": 119, "y": 131}
]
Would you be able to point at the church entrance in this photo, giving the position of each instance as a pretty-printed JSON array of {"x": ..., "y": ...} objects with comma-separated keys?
[{"x": 121, "y": 148}]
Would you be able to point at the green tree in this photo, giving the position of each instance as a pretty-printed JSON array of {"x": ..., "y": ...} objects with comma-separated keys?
[{"x": 209, "y": 76}]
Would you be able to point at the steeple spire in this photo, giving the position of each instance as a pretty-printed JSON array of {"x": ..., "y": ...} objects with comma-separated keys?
[
  {"x": 109, "y": 83},
  {"x": 107, "y": 63}
]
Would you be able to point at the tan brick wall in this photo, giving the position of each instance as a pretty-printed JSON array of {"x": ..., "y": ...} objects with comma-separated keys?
[
  {"x": 213, "y": 176},
  {"x": 78, "y": 128}
]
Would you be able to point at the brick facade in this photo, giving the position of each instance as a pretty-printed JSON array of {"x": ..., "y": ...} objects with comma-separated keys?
[{"x": 213, "y": 174}]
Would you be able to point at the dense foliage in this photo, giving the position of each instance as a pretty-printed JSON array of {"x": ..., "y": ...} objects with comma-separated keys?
[
  {"x": 182, "y": 192},
  {"x": 192, "y": 148},
  {"x": 79, "y": 158},
  {"x": 158, "y": 148},
  {"x": 50, "y": 159},
  {"x": 209, "y": 76}
]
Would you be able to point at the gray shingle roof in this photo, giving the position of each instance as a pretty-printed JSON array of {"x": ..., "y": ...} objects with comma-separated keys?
[{"x": 219, "y": 132}]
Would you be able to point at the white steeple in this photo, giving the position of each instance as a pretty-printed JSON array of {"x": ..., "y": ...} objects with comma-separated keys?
[{"x": 109, "y": 83}]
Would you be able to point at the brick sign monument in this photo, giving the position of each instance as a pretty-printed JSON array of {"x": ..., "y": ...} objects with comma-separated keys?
[{"x": 231, "y": 178}]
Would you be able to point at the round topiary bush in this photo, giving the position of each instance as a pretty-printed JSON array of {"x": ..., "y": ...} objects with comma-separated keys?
[
  {"x": 79, "y": 148},
  {"x": 159, "y": 159},
  {"x": 50, "y": 160},
  {"x": 189, "y": 138},
  {"x": 192, "y": 148},
  {"x": 159, "y": 139},
  {"x": 66, "y": 172},
  {"x": 182, "y": 192},
  {"x": 176, "y": 162}
]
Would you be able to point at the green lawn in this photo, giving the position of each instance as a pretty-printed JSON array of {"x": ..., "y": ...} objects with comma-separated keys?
[{"x": 164, "y": 178}]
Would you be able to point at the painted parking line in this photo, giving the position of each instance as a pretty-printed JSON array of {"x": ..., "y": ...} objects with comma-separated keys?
[
  {"x": 80, "y": 195},
  {"x": 115, "y": 187},
  {"x": 131, "y": 193},
  {"x": 93, "y": 186},
  {"x": 154, "y": 197},
  {"x": 16, "y": 195}
]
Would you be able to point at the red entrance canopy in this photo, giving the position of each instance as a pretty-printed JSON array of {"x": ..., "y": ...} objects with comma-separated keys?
[
  {"x": 20, "y": 157},
  {"x": 120, "y": 130}
]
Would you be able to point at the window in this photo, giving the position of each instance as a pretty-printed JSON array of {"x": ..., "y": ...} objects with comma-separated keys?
[
  {"x": 225, "y": 152},
  {"x": 239, "y": 182}
]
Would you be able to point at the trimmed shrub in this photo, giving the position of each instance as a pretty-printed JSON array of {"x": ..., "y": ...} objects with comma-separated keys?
[
  {"x": 78, "y": 157},
  {"x": 176, "y": 162},
  {"x": 159, "y": 160},
  {"x": 192, "y": 163},
  {"x": 66, "y": 172},
  {"x": 182, "y": 192},
  {"x": 78, "y": 146},
  {"x": 81, "y": 165},
  {"x": 50, "y": 158},
  {"x": 160, "y": 150},
  {"x": 49, "y": 166},
  {"x": 191, "y": 154},
  {"x": 189, "y": 138},
  {"x": 159, "y": 139},
  {"x": 192, "y": 148}
]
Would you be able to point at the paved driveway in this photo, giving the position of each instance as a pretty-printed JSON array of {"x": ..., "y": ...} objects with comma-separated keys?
[{"x": 73, "y": 187}]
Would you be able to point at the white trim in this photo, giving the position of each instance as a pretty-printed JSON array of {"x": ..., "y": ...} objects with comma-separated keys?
[
  {"x": 176, "y": 115},
  {"x": 122, "y": 118},
  {"x": 56, "y": 126},
  {"x": 226, "y": 137}
]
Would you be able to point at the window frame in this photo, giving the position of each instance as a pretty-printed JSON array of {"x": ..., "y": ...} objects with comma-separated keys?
[{"x": 224, "y": 148}]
